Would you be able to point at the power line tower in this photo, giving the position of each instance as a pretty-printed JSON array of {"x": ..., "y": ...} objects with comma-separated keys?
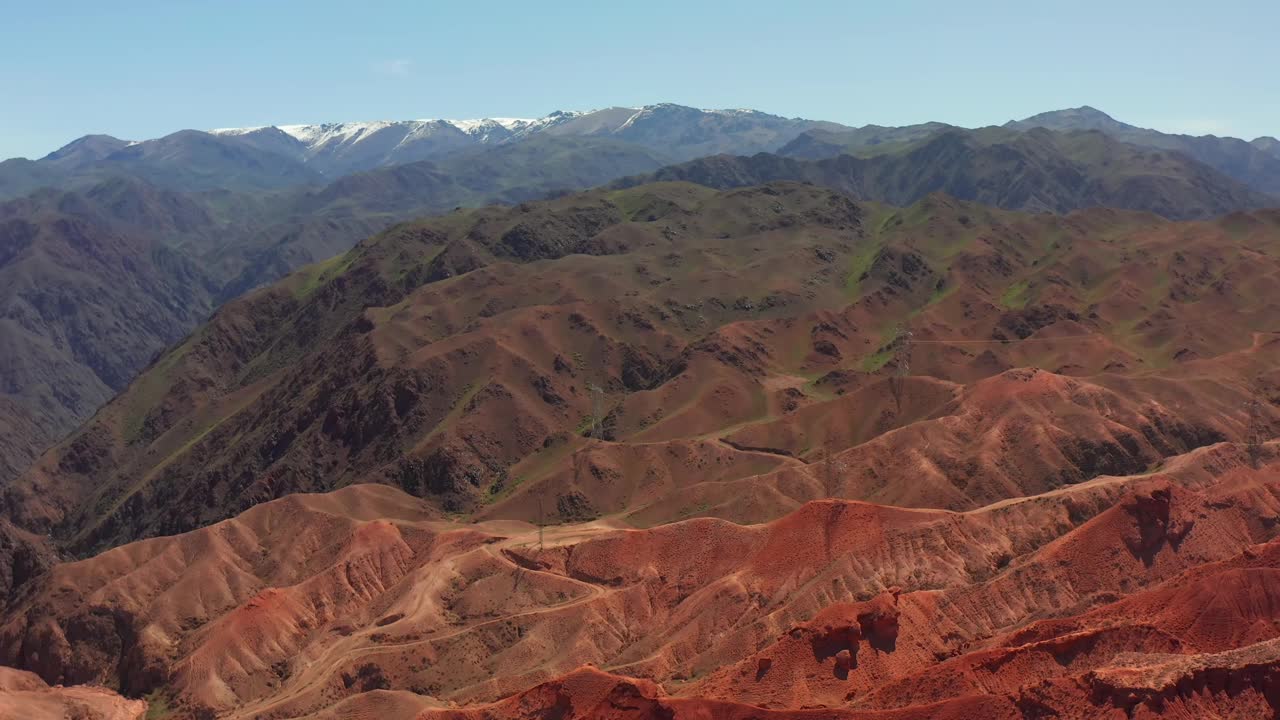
[
  {"x": 541, "y": 522},
  {"x": 832, "y": 466},
  {"x": 902, "y": 363},
  {"x": 577, "y": 464},
  {"x": 1256, "y": 430},
  {"x": 597, "y": 407},
  {"x": 828, "y": 477}
]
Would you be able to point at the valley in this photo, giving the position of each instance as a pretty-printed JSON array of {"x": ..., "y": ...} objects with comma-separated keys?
[
  {"x": 642, "y": 413},
  {"x": 245, "y": 222}
]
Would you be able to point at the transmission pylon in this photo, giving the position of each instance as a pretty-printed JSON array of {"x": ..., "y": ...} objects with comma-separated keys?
[
  {"x": 597, "y": 407},
  {"x": 1256, "y": 430},
  {"x": 541, "y": 523},
  {"x": 902, "y": 363}
]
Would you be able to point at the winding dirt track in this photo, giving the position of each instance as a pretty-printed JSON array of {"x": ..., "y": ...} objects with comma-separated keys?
[{"x": 316, "y": 672}]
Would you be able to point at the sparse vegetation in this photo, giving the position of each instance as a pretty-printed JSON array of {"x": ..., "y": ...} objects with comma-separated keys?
[
  {"x": 1015, "y": 297},
  {"x": 158, "y": 705}
]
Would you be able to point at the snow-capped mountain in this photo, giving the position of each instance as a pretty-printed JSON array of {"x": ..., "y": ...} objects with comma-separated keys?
[
  {"x": 338, "y": 148},
  {"x": 345, "y": 133},
  {"x": 677, "y": 131},
  {"x": 275, "y": 157}
]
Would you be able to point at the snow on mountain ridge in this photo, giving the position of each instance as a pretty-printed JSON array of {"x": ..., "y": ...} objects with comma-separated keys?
[
  {"x": 344, "y": 132},
  {"x": 316, "y": 135},
  {"x": 352, "y": 146},
  {"x": 512, "y": 124}
]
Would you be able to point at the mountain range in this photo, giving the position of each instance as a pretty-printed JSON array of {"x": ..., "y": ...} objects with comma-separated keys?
[
  {"x": 680, "y": 133},
  {"x": 98, "y": 280},
  {"x": 668, "y": 451},
  {"x": 271, "y": 157},
  {"x": 1255, "y": 164},
  {"x": 334, "y": 384},
  {"x": 176, "y": 226},
  {"x": 268, "y": 158},
  {"x": 641, "y": 413},
  {"x": 1036, "y": 170}
]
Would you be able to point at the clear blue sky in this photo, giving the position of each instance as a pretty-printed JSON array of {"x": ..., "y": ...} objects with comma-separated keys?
[{"x": 142, "y": 69}]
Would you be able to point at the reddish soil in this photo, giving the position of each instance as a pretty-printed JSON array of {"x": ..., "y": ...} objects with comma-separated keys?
[
  {"x": 743, "y": 349},
  {"x": 1124, "y": 594},
  {"x": 1061, "y": 498},
  {"x": 24, "y": 696}
]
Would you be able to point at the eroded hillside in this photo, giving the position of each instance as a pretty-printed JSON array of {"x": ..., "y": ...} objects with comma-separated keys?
[{"x": 668, "y": 351}]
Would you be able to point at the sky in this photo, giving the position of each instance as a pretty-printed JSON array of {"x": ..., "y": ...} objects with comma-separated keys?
[{"x": 140, "y": 69}]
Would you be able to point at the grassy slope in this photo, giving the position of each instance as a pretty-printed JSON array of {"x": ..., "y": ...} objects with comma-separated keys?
[{"x": 452, "y": 356}]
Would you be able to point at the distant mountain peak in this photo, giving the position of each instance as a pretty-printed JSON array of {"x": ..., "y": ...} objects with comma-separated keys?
[
  {"x": 1266, "y": 143},
  {"x": 1083, "y": 111},
  {"x": 1089, "y": 111},
  {"x": 85, "y": 150},
  {"x": 95, "y": 139},
  {"x": 1085, "y": 117}
]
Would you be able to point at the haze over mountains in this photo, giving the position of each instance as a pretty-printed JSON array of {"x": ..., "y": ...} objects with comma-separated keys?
[
  {"x": 273, "y": 157},
  {"x": 1253, "y": 163},
  {"x": 1037, "y": 170},
  {"x": 680, "y": 338}
]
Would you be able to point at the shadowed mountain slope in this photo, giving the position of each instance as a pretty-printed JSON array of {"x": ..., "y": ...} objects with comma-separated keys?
[
  {"x": 1037, "y": 171},
  {"x": 459, "y": 357},
  {"x": 1255, "y": 164},
  {"x": 97, "y": 282},
  {"x": 86, "y": 301}
]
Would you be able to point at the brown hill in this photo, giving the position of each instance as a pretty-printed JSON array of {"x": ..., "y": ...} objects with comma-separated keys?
[
  {"x": 366, "y": 598},
  {"x": 101, "y": 280},
  {"x": 220, "y": 244},
  {"x": 669, "y": 452},
  {"x": 457, "y": 358},
  {"x": 24, "y": 696}
]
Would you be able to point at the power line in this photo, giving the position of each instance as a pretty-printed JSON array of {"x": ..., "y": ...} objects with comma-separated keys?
[
  {"x": 1001, "y": 342},
  {"x": 967, "y": 341}
]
